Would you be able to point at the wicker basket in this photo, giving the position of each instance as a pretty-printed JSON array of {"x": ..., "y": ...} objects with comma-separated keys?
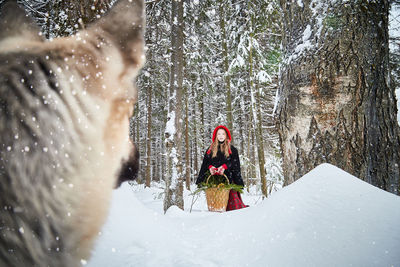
[{"x": 217, "y": 198}]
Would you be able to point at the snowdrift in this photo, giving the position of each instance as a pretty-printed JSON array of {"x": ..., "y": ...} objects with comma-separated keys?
[{"x": 326, "y": 218}]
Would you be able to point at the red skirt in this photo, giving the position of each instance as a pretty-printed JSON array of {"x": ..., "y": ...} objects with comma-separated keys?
[{"x": 235, "y": 201}]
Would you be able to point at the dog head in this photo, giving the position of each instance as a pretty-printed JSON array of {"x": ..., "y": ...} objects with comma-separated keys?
[{"x": 64, "y": 111}]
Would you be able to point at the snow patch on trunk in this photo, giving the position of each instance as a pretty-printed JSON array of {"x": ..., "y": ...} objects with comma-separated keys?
[{"x": 170, "y": 127}]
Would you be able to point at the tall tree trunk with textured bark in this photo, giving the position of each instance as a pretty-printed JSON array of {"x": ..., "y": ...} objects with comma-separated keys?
[
  {"x": 227, "y": 78},
  {"x": 336, "y": 103},
  {"x": 173, "y": 132}
]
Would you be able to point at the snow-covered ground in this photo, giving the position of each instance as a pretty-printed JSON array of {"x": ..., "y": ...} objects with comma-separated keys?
[{"x": 326, "y": 218}]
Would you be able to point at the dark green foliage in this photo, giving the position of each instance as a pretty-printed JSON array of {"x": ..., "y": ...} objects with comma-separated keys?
[{"x": 219, "y": 181}]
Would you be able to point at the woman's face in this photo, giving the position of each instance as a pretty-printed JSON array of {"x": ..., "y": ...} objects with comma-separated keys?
[{"x": 221, "y": 135}]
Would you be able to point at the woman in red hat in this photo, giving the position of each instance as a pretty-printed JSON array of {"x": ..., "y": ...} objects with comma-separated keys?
[{"x": 223, "y": 158}]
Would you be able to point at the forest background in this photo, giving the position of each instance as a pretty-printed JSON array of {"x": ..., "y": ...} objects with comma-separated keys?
[{"x": 245, "y": 64}]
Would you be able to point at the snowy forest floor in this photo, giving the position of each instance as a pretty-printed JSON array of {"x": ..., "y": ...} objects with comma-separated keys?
[{"x": 327, "y": 218}]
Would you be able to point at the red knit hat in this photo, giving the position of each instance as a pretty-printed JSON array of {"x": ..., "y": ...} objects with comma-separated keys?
[{"x": 226, "y": 130}]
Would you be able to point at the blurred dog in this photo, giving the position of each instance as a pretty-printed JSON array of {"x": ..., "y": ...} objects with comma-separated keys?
[{"x": 64, "y": 109}]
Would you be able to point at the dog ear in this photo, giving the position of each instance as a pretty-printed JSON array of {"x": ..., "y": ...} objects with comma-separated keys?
[
  {"x": 14, "y": 22},
  {"x": 124, "y": 24}
]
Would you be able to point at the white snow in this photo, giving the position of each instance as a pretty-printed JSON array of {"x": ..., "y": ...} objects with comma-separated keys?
[
  {"x": 263, "y": 77},
  {"x": 326, "y": 218},
  {"x": 306, "y": 42},
  {"x": 300, "y": 3},
  {"x": 319, "y": 9},
  {"x": 276, "y": 101},
  {"x": 170, "y": 127}
]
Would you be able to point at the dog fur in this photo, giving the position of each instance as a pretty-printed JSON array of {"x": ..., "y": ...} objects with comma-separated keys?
[{"x": 64, "y": 110}]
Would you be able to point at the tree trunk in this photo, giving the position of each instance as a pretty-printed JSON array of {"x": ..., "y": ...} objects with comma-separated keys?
[
  {"x": 250, "y": 178},
  {"x": 256, "y": 113},
  {"x": 163, "y": 163},
  {"x": 157, "y": 162},
  {"x": 227, "y": 77},
  {"x": 148, "y": 140},
  {"x": 336, "y": 104},
  {"x": 137, "y": 124},
  {"x": 187, "y": 145},
  {"x": 196, "y": 139},
  {"x": 137, "y": 136},
  {"x": 241, "y": 125},
  {"x": 204, "y": 139},
  {"x": 173, "y": 132},
  {"x": 260, "y": 145},
  {"x": 132, "y": 124},
  {"x": 253, "y": 154}
]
